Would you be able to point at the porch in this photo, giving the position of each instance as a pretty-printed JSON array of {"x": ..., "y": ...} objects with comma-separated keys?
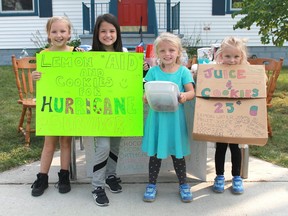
[{"x": 161, "y": 16}]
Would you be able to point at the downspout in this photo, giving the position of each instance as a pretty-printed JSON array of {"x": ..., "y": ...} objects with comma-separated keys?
[
  {"x": 92, "y": 2},
  {"x": 168, "y": 9}
]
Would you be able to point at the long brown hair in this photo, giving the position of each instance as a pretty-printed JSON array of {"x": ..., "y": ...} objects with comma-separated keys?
[{"x": 96, "y": 44}]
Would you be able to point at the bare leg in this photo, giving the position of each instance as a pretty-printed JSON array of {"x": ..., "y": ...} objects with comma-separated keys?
[
  {"x": 47, "y": 153},
  {"x": 65, "y": 152}
]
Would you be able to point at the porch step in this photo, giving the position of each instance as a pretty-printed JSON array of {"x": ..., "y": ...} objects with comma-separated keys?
[{"x": 130, "y": 41}]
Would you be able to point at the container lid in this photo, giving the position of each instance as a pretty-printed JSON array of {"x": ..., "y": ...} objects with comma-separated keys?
[{"x": 162, "y": 96}]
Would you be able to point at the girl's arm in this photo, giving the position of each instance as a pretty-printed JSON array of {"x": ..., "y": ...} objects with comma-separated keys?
[{"x": 188, "y": 94}]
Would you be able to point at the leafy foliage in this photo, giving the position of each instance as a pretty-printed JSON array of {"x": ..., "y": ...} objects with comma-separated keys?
[
  {"x": 270, "y": 16},
  {"x": 75, "y": 42}
]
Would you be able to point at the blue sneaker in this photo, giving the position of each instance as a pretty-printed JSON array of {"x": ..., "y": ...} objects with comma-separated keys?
[
  {"x": 219, "y": 183},
  {"x": 150, "y": 193},
  {"x": 185, "y": 193},
  {"x": 237, "y": 185}
]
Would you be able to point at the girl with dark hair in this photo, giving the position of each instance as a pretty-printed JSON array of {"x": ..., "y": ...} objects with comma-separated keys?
[{"x": 106, "y": 37}]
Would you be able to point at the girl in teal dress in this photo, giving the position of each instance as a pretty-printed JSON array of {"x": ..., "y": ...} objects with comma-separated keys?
[{"x": 166, "y": 133}]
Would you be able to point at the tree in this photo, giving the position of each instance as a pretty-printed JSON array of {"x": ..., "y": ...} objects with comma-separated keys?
[{"x": 270, "y": 15}]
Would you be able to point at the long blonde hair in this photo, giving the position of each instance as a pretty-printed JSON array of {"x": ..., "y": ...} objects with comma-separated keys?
[
  {"x": 236, "y": 43},
  {"x": 55, "y": 19},
  {"x": 170, "y": 38}
]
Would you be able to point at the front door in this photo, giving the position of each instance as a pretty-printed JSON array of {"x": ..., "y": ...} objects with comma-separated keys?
[{"x": 130, "y": 14}]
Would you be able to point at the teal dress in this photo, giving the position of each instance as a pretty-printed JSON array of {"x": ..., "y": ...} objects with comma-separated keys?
[{"x": 165, "y": 133}]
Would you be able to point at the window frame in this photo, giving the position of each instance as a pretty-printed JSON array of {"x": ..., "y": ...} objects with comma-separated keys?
[
  {"x": 229, "y": 9},
  {"x": 33, "y": 12}
]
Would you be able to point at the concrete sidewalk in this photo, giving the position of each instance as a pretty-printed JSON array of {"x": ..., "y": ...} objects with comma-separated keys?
[{"x": 266, "y": 193}]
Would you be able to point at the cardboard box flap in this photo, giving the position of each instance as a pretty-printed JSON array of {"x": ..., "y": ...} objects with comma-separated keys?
[
  {"x": 231, "y": 81},
  {"x": 231, "y": 120},
  {"x": 233, "y": 140}
]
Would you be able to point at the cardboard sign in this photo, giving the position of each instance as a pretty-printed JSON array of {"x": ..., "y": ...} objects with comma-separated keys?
[
  {"x": 231, "y": 81},
  {"x": 231, "y": 121},
  {"x": 89, "y": 94},
  {"x": 231, "y": 104}
]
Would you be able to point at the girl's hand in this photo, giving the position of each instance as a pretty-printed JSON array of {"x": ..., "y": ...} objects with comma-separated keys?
[
  {"x": 36, "y": 75},
  {"x": 146, "y": 66},
  {"x": 78, "y": 49},
  {"x": 182, "y": 98},
  {"x": 189, "y": 93},
  {"x": 145, "y": 99}
]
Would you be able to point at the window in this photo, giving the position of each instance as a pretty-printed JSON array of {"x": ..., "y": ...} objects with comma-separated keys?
[
  {"x": 233, "y": 5},
  {"x": 18, "y": 8},
  {"x": 222, "y": 7}
]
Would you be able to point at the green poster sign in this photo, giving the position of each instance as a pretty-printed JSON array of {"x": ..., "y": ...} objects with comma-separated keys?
[{"x": 89, "y": 94}]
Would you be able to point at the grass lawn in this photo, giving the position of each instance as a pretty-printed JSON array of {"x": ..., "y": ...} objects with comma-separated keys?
[
  {"x": 13, "y": 153},
  {"x": 276, "y": 150},
  {"x": 12, "y": 150}
]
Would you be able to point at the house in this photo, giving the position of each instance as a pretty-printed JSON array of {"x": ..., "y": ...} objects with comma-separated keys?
[{"x": 200, "y": 23}]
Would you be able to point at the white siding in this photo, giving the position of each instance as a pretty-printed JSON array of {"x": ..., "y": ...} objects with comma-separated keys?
[
  {"x": 195, "y": 15},
  {"x": 16, "y": 32}
]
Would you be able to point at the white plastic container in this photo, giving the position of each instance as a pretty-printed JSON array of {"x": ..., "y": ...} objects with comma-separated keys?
[
  {"x": 204, "y": 55},
  {"x": 162, "y": 96}
]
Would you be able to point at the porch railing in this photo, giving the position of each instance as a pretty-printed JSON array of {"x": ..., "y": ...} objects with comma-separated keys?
[
  {"x": 88, "y": 16},
  {"x": 165, "y": 20}
]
